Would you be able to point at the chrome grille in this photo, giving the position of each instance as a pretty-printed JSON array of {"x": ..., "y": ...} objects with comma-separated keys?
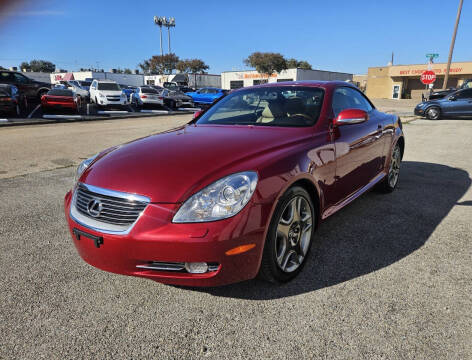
[
  {"x": 122, "y": 210},
  {"x": 113, "y": 98}
]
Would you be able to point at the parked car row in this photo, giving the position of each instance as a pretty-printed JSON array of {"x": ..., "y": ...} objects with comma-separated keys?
[{"x": 72, "y": 94}]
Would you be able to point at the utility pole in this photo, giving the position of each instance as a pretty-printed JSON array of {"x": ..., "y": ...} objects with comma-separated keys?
[{"x": 451, "y": 49}]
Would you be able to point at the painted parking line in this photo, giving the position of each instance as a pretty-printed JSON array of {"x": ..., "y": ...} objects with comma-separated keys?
[
  {"x": 156, "y": 111},
  {"x": 34, "y": 110},
  {"x": 189, "y": 109},
  {"x": 50, "y": 116},
  {"x": 112, "y": 112}
]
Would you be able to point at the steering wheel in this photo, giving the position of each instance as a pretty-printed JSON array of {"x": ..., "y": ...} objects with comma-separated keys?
[{"x": 302, "y": 115}]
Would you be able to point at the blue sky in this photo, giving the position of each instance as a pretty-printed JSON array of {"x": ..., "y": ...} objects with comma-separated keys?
[{"x": 338, "y": 35}]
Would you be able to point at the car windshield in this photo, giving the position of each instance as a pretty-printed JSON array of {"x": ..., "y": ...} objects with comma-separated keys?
[
  {"x": 267, "y": 106},
  {"x": 85, "y": 84},
  {"x": 108, "y": 86},
  {"x": 149, "y": 90},
  {"x": 60, "y": 92}
]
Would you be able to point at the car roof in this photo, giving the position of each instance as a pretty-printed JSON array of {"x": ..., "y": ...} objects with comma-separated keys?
[
  {"x": 106, "y": 81},
  {"x": 307, "y": 83}
]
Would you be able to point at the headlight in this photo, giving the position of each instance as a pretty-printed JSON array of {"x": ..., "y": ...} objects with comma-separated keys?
[
  {"x": 220, "y": 200},
  {"x": 82, "y": 167},
  {"x": 123, "y": 96},
  {"x": 101, "y": 95}
]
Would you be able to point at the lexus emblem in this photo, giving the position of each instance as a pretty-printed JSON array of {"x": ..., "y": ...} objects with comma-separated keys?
[{"x": 94, "y": 207}]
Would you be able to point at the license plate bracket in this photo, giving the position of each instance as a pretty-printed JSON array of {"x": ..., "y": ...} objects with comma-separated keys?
[{"x": 98, "y": 240}]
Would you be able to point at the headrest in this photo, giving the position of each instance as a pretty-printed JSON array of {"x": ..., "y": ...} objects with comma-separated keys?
[{"x": 273, "y": 110}]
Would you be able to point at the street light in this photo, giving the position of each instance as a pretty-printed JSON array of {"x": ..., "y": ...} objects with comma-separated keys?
[
  {"x": 170, "y": 22},
  {"x": 159, "y": 21}
]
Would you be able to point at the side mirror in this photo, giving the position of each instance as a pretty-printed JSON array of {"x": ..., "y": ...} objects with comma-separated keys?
[
  {"x": 351, "y": 116},
  {"x": 197, "y": 113},
  {"x": 452, "y": 98}
]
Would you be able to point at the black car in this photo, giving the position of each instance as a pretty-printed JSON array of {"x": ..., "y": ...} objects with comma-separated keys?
[
  {"x": 458, "y": 103},
  {"x": 32, "y": 89},
  {"x": 12, "y": 102},
  {"x": 176, "y": 99}
]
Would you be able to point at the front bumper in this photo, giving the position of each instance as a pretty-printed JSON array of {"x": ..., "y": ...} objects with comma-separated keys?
[
  {"x": 155, "y": 238},
  {"x": 105, "y": 102},
  {"x": 419, "y": 111}
]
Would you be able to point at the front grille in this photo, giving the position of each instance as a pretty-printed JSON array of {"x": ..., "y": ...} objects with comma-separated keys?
[
  {"x": 113, "y": 98},
  {"x": 122, "y": 211}
]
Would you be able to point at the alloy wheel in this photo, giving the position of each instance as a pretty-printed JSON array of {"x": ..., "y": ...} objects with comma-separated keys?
[
  {"x": 394, "y": 170},
  {"x": 433, "y": 113},
  {"x": 293, "y": 235}
]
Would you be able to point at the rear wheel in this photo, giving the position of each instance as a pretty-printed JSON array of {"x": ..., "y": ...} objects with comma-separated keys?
[
  {"x": 289, "y": 237},
  {"x": 433, "y": 113}
]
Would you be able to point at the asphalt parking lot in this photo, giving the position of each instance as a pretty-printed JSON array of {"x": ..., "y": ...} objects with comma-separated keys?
[{"x": 392, "y": 279}]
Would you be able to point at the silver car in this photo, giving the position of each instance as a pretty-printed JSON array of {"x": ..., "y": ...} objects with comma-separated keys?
[{"x": 146, "y": 95}]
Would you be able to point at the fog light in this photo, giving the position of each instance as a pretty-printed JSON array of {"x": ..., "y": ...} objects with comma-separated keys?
[{"x": 196, "y": 267}]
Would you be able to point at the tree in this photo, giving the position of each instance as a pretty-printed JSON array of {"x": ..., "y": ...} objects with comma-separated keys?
[
  {"x": 39, "y": 66},
  {"x": 295, "y": 64},
  {"x": 163, "y": 64},
  {"x": 266, "y": 63},
  {"x": 25, "y": 65},
  {"x": 145, "y": 66},
  {"x": 127, "y": 71},
  {"x": 193, "y": 66}
]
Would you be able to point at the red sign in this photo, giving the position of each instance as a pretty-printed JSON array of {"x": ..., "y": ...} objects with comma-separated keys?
[{"x": 428, "y": 77}]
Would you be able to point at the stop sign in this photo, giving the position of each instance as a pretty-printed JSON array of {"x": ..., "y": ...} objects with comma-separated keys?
[{"x": 428, "y": 77}]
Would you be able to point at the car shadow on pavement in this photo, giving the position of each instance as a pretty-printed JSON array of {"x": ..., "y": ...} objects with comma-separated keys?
[{"x": 373, "y": 232}]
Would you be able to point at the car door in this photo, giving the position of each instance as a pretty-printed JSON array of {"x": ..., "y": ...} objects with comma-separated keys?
[
  {"x": 359, "y": 147},
  {"x": 200, "y": 95},
  {"x": 25, "y": 85},
  {"x": 461, "y": 104}
]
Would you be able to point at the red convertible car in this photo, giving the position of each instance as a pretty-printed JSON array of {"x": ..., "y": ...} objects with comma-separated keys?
[{"x": 238, "y": 191}]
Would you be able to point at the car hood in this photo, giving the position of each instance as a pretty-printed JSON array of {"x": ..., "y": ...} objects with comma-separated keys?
[
  {"x": 180, "y": 97},
  {"x": 168, "y": 167},
  {"x": 110, "y": 92}
]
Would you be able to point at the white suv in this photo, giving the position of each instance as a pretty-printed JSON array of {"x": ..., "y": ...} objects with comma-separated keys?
[{"x": 107, "y": 93}]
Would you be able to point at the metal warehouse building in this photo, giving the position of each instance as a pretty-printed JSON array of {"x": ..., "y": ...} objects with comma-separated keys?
[{"x": 239, "y": 79}]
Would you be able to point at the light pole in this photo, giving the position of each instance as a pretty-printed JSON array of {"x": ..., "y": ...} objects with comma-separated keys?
[
  {"x": 451, "y": 49},
  {"x": 159, "y": 21},
  {"x": 170, "y": 22}
]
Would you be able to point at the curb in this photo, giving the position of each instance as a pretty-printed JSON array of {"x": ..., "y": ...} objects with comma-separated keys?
[{"x": 45, "y": 121}]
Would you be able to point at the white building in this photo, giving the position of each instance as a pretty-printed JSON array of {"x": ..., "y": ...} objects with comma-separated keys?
[
  {"x": 125, "y": 79},
  {"x": 239, "y": 79},
  {"x": 192, "y": 80}
]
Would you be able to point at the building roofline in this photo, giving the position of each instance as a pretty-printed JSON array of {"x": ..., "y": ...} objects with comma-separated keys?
[{"x": 422, "y": 64}]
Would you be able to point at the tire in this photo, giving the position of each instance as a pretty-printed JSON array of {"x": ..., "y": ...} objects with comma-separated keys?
[
  {"x": 289, "y": 237},
  {"x": 172, "y": 104},
  {"x": 390, "y": 181},
  {"x": 433, "y": 113},
  {"x": 16, "y": 112}
]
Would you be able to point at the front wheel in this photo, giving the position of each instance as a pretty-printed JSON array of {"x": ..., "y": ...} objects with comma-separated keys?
[
  {"x": 433, "y": 113},
  {"x": 289, "y": 238},
  {"x": 390, "y": 181}
]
